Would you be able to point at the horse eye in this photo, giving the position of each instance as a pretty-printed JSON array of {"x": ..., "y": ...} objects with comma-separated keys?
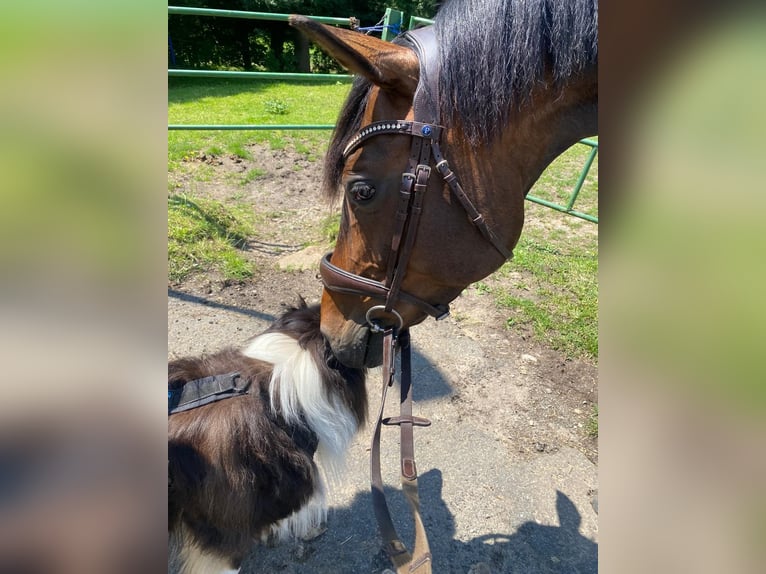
[{"x": 362, "y": 191}]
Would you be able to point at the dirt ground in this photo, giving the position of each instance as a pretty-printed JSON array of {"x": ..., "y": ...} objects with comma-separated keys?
[{"x": 510, "y": 410}]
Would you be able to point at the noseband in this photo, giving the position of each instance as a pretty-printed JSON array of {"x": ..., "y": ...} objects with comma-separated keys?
[{"x": 425, "y": 132}]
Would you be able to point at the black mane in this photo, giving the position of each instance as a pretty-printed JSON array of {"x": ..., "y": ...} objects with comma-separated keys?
[{"x": 493, "y": 53}]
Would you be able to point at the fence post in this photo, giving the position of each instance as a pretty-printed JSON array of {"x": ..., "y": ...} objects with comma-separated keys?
[
  {"x": 583, "y": 175},
  {"x": 392, "y": 18},
  {"x": 416, "y": 21}
]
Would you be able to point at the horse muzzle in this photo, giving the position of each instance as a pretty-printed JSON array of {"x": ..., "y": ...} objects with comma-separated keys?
[{"x": 356, "y": 345}]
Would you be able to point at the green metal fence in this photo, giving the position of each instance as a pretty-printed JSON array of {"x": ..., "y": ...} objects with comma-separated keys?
[
  {"x": 183, "y": 10},
  {"x": 284, "y": 76},
  {"x": 391, "y": 27},
  {"x": 569, "y": 207}
]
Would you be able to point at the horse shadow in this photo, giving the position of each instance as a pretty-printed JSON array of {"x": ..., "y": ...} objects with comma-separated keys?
[
  {"x": 429, "y": 382},
  {"x": 351, "y": 543}
]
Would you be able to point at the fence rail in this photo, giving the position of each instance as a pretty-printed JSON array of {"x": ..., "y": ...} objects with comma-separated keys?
[
  {"x": 260, "y": 75},
  {"x": 249, "y": 127},
  {"x": 186, "y": 11},
  {"x": 569, "y": 207},
  {"x": 226, "y": 74}
]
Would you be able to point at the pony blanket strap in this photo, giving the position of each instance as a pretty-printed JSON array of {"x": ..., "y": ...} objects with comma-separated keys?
[
  {"x": 419, "y": 561},
  {"x": 207, "y": 390}
]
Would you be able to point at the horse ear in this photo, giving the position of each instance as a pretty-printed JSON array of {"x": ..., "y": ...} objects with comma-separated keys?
[{"x": 390, "y": 66}]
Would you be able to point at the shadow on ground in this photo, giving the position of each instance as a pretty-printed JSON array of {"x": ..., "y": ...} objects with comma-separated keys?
[
  {"x": 351, "y": 544},
  {"x": 226, "y": 307}
]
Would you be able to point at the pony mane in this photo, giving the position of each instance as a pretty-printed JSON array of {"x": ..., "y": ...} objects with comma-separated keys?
[{"x": 493, "y": 54}]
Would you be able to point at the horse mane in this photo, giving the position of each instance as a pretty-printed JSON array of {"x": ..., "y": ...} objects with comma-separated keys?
[{"x": 493, "y": 54}]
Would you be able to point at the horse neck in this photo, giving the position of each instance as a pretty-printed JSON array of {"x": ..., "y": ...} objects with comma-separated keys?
[
  {"x": 497, "y": 176},
  {"x": 503, "y": 171}
]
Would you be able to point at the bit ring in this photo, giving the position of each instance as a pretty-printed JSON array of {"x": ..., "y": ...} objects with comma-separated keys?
[{"x": 373, "y": 321}]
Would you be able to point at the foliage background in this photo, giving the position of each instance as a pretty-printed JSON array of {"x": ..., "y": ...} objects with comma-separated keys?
[{"x": 230, "y": 43}]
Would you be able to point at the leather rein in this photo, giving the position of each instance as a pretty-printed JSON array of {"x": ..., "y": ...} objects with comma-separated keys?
[{"x": 425, "y": 132}]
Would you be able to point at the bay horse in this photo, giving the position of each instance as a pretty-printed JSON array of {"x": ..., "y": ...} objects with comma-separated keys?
[
  {"x": 242, "y": 468},
  {"x": 488, "y": 96}
]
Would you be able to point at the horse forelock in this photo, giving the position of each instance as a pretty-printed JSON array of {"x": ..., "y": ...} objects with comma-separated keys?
[{"x": 348, "y": 124}]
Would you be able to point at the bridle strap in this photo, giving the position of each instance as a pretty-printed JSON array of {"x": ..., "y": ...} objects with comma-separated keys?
[
  {"x": 399, "y": 255},
  {"x": 431, "y": 134},
  {"x": 421, "y": 554},
  {"x": 419, "y": 561},
  {"x": 400, "y": 221},
  {"x": 457, "y": 190}
]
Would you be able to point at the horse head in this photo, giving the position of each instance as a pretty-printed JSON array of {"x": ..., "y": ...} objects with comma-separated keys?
[{"x": 408, "y": 244}]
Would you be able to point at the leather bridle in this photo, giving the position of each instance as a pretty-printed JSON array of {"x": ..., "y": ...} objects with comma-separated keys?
[{"x": 425, "y": 132}]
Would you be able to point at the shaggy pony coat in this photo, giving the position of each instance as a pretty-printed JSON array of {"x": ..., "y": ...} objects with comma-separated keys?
[{"x": 244, "y": 468}]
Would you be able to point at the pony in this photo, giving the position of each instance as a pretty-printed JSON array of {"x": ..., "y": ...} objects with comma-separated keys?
[
  {"x": 242, "y": 469},
  {"x": 488, "y": 96}
]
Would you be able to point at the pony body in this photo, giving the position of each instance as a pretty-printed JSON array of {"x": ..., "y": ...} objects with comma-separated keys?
[{"x": 243, "y": 469}]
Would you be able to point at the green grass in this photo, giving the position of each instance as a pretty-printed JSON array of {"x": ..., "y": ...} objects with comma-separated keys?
[
  {"x": 217, "y": 101},
  {"x": 591, "y": 427},
  {"x": 330, "y": 227},
  {"x": 554, "y": 291},
  {"x": 205, "y": 235},
  {"x": 251, "y": 175},
  {"x": 558, "y": 296}
]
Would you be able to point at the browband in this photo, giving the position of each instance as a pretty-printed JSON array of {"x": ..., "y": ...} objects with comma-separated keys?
[{"x": 400, "y": 127}]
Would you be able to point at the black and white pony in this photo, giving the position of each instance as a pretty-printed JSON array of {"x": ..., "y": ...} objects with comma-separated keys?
[{"x": 243, "y": 469}]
